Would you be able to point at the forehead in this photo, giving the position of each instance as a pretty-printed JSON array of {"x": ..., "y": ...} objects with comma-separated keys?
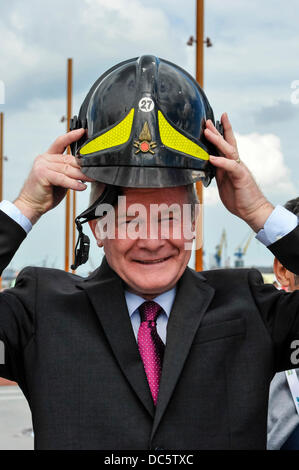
[{"x": 176, "y": 195}]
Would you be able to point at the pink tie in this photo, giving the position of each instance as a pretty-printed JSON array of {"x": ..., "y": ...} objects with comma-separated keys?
[{"x": 150, "y": 345}]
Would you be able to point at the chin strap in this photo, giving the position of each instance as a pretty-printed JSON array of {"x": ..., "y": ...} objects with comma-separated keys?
[
  {"x": 82, "y": 246},
  {"x": 109, "y": 196}
]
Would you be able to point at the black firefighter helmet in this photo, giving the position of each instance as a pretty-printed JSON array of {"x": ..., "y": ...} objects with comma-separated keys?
[{"x": 144, "y": 121}]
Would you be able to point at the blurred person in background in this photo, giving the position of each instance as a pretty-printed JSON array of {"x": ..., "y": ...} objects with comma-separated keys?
[{"x": 283, "y": 412}]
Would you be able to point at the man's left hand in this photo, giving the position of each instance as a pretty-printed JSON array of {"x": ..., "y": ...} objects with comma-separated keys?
[{"x": 237, "y": 188}]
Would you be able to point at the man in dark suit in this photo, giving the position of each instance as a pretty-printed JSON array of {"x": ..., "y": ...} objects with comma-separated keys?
[{"x": 146, "y": 353}]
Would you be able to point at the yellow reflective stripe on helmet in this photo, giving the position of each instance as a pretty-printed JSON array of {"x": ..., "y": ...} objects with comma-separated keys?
[
  {"x": 173, "y": 139},
  {"x": 118, "y": 135}
]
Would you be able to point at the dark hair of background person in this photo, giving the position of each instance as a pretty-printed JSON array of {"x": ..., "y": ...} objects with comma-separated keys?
[{"x": 293, "y": 206}]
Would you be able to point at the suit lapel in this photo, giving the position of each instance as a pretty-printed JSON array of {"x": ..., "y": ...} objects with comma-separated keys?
[
  {"x": 192, "y": 300},
  {"x": 106, "y": 293}
]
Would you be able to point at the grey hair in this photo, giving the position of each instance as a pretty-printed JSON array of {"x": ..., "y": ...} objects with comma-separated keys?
[
  {"x": 96, "y": 190},
  {"x": 192, "y": 199}
]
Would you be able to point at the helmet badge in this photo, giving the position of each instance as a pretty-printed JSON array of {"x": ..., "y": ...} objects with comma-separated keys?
[
  {"x": 146, "y": 104},
  {"x": 145, "y": 143}
]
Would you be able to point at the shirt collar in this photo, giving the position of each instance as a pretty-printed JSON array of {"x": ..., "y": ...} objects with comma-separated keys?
[{"x": 165, "y": 300}]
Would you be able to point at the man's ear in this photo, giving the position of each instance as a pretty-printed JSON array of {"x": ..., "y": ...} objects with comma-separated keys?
[
  {"x": 93, "y": 224},
  {"x": 282, "y": 274}
]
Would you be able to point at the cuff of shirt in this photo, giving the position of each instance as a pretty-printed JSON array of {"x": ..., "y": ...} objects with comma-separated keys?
[
  {"x": 14, "y": 213},
  {"x": 279, "y": 223}
]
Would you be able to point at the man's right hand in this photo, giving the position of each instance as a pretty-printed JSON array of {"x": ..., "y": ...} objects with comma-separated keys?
[{"x": 52, "y": 174}]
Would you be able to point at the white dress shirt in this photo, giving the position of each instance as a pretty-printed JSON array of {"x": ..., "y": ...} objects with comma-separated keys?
[{"x": 165, "y": 301}]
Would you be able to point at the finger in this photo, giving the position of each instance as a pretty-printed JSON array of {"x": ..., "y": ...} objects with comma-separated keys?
[
  {"x": 210, "y": 125},
  {"x": 227, "y": 149},
  {"x": 59, "y": 179},
  {"x": 228, "y": 131},
  {"x": 69, "y": 171},
  {"x": 226, "y": 164},
  {"x": 65, "y": 158},
  {"x": 61, "y": 143}
]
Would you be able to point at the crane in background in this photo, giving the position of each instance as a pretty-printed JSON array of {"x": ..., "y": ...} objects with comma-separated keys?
[
  {"x": 241, "y": 252},
  {"x": 219, "y": 249}
]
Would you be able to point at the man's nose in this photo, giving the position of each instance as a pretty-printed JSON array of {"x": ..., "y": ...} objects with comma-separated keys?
[
  {"x": 151, "y": 237},
  {"x": 151, "y": 244}
]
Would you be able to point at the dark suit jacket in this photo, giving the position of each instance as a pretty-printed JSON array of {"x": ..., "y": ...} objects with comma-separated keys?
[{"x": 70, "y": 346}]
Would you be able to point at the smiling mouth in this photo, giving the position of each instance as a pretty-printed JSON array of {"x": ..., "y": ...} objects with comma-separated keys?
[{"x": 154, "y": 261}]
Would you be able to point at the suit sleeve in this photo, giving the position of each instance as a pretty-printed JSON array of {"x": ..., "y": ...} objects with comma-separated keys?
[
  {"x": 16, "y": 305},
  {"x": 280, "y": 313},
  {"x": 11, "y": 237},
  {"x": 279, "y": 309},
  {"x": 286, "y": 250}
]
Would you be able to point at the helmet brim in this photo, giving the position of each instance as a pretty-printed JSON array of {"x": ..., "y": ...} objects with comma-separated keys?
[{"x": 146, "y": 177}]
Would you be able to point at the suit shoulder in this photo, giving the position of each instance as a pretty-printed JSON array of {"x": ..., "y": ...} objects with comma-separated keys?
[
  {"x": 230, "y": 275},
  {"x": 41, "y": 274}
]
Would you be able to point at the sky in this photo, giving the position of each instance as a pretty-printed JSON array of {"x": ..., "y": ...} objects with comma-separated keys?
[{"x": 249, "y": 73}]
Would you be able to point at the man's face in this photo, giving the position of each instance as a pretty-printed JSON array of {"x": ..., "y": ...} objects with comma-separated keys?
[{"x": 149, "y": 265}]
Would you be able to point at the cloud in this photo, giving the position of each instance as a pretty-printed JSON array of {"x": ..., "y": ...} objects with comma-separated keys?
[
  {"x": 280, "y": 111},
  {"x": 97, "y": 35},
  {"x": 263, "y": 155}
]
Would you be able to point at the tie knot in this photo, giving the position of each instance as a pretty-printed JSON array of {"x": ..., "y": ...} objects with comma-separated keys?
[{"x": 149, "y": 311}]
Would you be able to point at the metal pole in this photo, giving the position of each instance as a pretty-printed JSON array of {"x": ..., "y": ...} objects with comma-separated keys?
[
  {"x": 199, "y": 79},
  {"x": 1, "y": 154},
  {"x": 199, "y": 41},
  {"x": 1, "y": 164},
  {"x": 74, "y": 194},
  {"x": 68, "y": 196},
  {"x": 74, "y": 229}
]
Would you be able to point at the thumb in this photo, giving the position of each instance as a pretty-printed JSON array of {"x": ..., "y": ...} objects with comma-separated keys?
[{"x": 61, "y": 143}]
